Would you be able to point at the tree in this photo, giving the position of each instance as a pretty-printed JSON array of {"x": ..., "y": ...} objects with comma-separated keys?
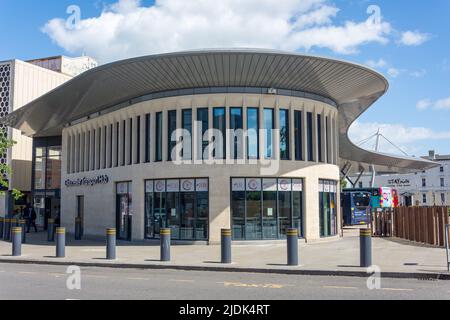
[{"x": 5, "y": 169}]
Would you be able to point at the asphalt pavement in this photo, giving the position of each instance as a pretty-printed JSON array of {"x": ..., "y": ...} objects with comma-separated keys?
[{"x": 30, "y": 282}]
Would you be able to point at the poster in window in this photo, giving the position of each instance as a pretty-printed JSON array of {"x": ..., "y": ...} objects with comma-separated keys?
[
  {"x": 238, "y": 184},
  {"x": 253, "y": 184},
  {"x": 326, "y": 187},
  {"x": 122, "y": 188},
  {"x": 173, "y": 185},
  {"x": 284, "y": 185},
  {"x": 202, "y": 185},
  {"x": 187, "y": 185},
  {"x": 149, "y": 186},
  {"x": 160, "y": 186},
  {"x": 270, "y": 184},
  {"x": 297, "y": 185}
]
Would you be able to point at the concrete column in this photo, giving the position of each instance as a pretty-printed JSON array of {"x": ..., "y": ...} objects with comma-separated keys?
[
  {"x": 134, "y": 139},
  {"x": 311, "y": 214},
  {"x": 143, "y": 142},
  {"x": 165, "y": 122},
  {"x": 121, "y": 143},
  {"x": 92, "y": 152},
  {"x": 219, "y": 207},
  {"x": 138, "y": 209}
]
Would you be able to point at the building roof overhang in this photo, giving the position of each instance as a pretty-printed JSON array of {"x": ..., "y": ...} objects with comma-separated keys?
[{"x": 354, "y": 88}]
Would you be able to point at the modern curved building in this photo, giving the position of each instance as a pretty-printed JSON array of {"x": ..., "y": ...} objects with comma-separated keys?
[{"x": 203, "y": 140}]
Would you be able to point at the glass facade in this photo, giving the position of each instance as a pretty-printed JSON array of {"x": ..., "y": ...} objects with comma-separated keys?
[
  {"x": 187, "y": 138},
  {"x": 46, "y": 178},
  {"x": 219, "y": 123},
  {"x": 252, "y": 133},
  {"x": 236, "y": 124},
  {"x": 171, "y": 128},
  {"x": 203, "y": 119},
  {"x": 309, "y": 135},
  {"x": 284, "y": 134},
  {"x": 179, "y": 204},
  {"x": 269, "y": 125},
  {"x": 327, "y": 208},
  {"x": 266, "y": 208},
  {"x": 298, "y": 127},
  {"x": 124, "y": 210},
  {"x": 158, "y": 137}
]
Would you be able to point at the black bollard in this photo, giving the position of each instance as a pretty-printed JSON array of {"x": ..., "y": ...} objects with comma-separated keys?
[
  {"x": 60, "y": 242},
  {"x": 165, "y": 244},
  {"x": 111, "y": 244},
  {"x": 292, "y": 247},
  {"x": 7, "y": 229},
  {"x": 2, "y": 221},
  {"x": 365, "y": 243},
  {"x": 22, "y": 224},
  {"x": 77, "y": 228},
  {"x": 226, "y": 246},
  {"x": 16, "y": 241},
  {"x": 51, "y": 230}
]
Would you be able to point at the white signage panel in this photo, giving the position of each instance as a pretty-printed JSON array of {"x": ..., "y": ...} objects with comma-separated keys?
[
  {"x": 173, "y": 185},
  {"x": 160, "y": 186},
  {"x": 187, "y": 185},
  {"x": 238, "y": 184},
  {"x": 253, "y": 184},
  {"x": 284, "y": 185},
  {"x": 270, "y": 184},
  {"x": 202, "y": 185}
]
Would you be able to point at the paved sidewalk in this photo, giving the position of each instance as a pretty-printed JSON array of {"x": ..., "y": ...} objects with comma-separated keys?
[{"x": 395, "y": 258}]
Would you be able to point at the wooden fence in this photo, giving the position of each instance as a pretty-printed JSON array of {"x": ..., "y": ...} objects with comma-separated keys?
[{"x": 418, "y": 224}]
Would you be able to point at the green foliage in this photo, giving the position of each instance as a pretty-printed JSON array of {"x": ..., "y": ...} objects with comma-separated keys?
[
  {"x": 343, "y": 183},
  {"x": 5, "y": 169}
]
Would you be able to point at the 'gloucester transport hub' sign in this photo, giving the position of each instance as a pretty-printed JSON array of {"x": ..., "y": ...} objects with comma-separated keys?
[{"x": 90, "y": 182}]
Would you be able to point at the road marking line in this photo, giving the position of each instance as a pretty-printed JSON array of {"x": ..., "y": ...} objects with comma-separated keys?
[
  {"x": 245, "y": 285},
  {"x": 93, "y": 276},
  {"x": 396, "y": 289},
  {"x": 27, "y": 272},
  {"x": 339, "y": 287},
  {"x": 57, "y": 275},
  {"x": 139, "y": 279},
  {"x": 175, "y": 280}
]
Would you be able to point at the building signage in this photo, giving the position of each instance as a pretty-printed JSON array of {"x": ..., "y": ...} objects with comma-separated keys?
[
  {"x": 188, "y": 185},
  {"x": 253, "y": 184},
  {"x": 297, "y": 185},
  {"x": 103, "y": 179},
  {"x": 270, "y": 184},
  {"x": 173, "y": 185},
  {"x": 149, "y": 186},
  {"x": 238, "y": 184},
  {"x": 399, "y": 183},
  {"x": 284, "y": 185},
  {"x": 160, "y": 186},
  {"x": 202, "y": 185}
]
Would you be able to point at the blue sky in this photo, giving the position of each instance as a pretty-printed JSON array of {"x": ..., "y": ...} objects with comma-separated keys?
[{"x": 411, "y": 47}]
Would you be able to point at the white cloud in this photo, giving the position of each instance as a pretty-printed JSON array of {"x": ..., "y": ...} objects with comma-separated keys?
[
  {"x": 380, "y": 63},
  {"x": 442, "y": 104},
  {"x": 423, "y": 104},
  {"x": 413, "y": 38},
  {"x": 418, "y": 74},
  {"x": 393, "y": 72},
  {"x": 128, "y": 28},
  {"x": 406, "y": 138}
]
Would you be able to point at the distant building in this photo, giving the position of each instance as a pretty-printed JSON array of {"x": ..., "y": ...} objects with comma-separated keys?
[
  {"x": 20, "y": 83},
  {"x": 425, "y": 188},
  {"x": 65, "y": 65}
]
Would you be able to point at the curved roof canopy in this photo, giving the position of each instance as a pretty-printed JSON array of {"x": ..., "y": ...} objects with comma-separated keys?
[{"x": 352, "y": 87}]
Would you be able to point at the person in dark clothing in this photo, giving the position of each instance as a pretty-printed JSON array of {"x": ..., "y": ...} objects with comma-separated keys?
[
  {"x": 27, "y": 216},
  {"x": 33, "y": 218}
]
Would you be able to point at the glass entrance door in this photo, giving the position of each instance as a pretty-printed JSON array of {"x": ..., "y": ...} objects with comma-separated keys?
[{"x": 124, "y": 212}]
